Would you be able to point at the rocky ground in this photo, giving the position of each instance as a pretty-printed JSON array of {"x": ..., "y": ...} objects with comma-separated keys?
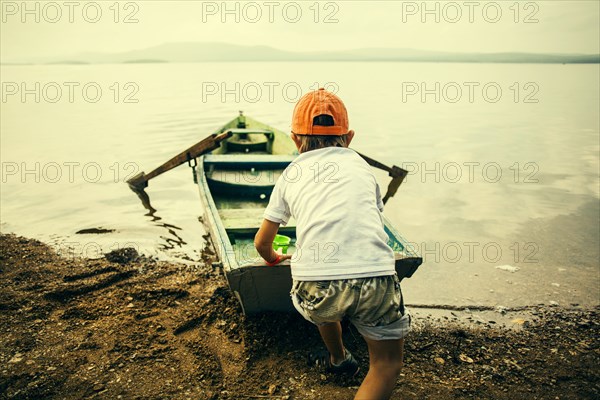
[{"x": 130, "y": 327}]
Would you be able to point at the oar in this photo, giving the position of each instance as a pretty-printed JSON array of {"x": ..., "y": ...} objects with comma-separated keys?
[
  {"x": 398, "y": 174},
  {"x": 140, "y": 181}
]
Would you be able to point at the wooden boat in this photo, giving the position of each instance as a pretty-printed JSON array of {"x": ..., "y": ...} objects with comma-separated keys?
[{"x": 235, "y": 183}]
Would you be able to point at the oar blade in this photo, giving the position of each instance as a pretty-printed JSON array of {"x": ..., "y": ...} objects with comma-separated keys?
[{"x": 138, "y": 182}]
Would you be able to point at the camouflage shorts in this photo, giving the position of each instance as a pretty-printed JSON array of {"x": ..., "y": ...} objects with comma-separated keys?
[{"x": 374, "y": 305}]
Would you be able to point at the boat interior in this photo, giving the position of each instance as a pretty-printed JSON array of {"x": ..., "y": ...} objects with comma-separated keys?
[{"x": 241, "y": 186}]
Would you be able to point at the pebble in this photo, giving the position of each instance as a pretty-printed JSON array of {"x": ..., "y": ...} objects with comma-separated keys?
[
  {"x": 501, "y": 309},
  {"x": 465, "y": 358},
  {"x": 98, "y": 387},
  {"x": 508, "y": 268},
  {"x": 18, "y": 357}
]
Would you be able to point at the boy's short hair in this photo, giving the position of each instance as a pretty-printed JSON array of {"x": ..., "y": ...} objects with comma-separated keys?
[{"x": 314, "y": 142}]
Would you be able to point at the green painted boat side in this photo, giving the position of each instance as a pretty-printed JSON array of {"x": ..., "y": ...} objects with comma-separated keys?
[{"x": 235, "y": 185}]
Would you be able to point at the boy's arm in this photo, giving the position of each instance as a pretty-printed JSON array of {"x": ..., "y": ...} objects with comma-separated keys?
[{"x": 263, "y": 241}]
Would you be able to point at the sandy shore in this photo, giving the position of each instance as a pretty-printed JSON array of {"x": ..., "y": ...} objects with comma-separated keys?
[{"x": 131, "y": 327}]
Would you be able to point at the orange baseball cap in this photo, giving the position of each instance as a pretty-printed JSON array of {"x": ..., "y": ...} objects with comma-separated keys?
[{"x": 315, "y": 103}]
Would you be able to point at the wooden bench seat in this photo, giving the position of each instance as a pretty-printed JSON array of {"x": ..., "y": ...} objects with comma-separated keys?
[
  {"x": 258, "y": 161},
  {"x": 248, "y": 220}
]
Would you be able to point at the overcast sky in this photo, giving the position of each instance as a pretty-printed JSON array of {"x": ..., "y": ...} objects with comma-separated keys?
[{"x": 462, "y": 26}]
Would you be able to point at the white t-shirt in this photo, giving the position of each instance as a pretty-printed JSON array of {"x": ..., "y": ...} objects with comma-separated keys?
[{"x": 334, "y": 198}]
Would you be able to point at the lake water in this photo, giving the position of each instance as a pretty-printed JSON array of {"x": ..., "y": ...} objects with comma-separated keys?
[{"x": 503, "y": 160}]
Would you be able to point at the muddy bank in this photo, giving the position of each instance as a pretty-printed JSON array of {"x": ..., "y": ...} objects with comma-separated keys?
[{"x": 133, "y": 327}]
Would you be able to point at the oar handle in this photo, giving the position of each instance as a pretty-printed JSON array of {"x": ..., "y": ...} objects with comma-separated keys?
[{"x": 140, "y": 181}]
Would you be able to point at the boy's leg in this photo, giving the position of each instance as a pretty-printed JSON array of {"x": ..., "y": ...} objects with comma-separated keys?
[
  {"x": 331, "y": 333},
  {"x": 385, "y": 362}
]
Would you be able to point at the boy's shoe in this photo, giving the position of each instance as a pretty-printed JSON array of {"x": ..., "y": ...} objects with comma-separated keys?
[{"x": 323, "y": 359}]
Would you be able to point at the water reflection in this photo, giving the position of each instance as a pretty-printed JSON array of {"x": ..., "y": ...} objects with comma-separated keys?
[
  {"x": 170, "y": 243},
  {"x": 143, "y": 196}
]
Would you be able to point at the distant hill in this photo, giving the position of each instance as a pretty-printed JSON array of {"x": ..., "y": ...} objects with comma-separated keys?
[
  {"x": 193, "y": 52},
  {"x": 68, "y": 62}
]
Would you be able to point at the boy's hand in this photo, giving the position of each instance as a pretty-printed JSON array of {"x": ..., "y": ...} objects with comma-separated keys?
[
  {"x": 263, "y": 241},
  {"x": 280, "y": 258}
]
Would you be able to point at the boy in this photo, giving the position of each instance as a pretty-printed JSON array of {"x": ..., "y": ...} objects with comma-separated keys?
[{"x": 342, "y": 266}]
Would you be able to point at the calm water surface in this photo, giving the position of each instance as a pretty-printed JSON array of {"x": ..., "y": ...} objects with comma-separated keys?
[{"x": 506, "y": 176}]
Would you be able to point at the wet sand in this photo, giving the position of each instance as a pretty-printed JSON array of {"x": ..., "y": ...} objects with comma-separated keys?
[{"x": 133, "y": 327}]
